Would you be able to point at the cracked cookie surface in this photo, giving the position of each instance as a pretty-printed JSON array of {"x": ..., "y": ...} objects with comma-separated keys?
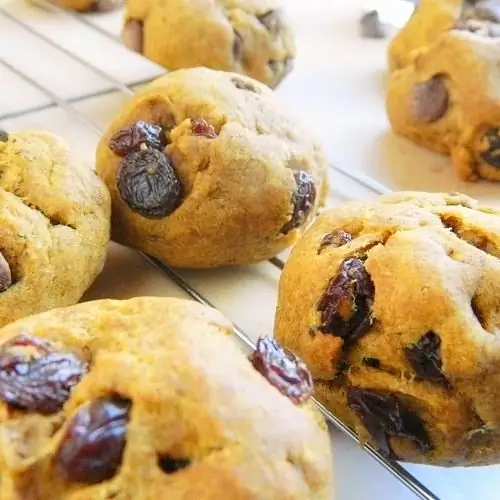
[
  {"x": 393, "y": 305},
  {"x": 248, "y": 37},
  {"x": 54, "y": 225},
  {"x": 141, "y": 388},
  {"x": 442, "y": 92},
  {"x": 207, "y": 168}
]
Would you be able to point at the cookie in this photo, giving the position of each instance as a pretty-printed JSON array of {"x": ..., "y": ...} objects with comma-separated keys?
[
  {"x": 207, "y": 168},
  {"x": 90, "y": 5},
  {"x": 251, "y": 37},
  {"x": 394, "y": 307},
  {"x": 151, "y": 398},
  {"x": 54, "y": 225},
  {"x": 445, "y": 98}
]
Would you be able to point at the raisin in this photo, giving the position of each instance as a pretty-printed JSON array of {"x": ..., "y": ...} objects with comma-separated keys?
[
  {"x": 336, "y": 238},
  {"x": 5, "y": 274},
  {"x": 425, "y": 358},
  {"x": 384, "y": 416},
  {"x": 371, "y": 362},
  {"x": 132, "y": 138},
  {"x": 203, "y": 128},
  {"x": 272, "y": 21},
  {"x": 303, "y": 200},
  {"x": 347, "y": 302},
  {"x": 147, "y": 182},
  {"x": 133, "y": 35},
  {"x": 490, "y": 147},
  {"x": 91, "y": 450},
  {"x": 4, "y": 136},
  {"x": 283, "y": 370},
  {"x": 430, "y": 100},
  {"x": 35, "y": 377},
  {"x": 170, "y": 465},
  {"x": 237, "y": 46}
]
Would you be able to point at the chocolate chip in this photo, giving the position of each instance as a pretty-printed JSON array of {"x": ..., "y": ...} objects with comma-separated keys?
[
  {"x": 148, "y": 183},
  {"x": 430, "y": 100},
  {"x": 371, "y": 26},
  {"x": 133, "y": 35},
  {"x": 237, "y": 46},
  {"x": 336, "y": 238},
  {"x": 272, "y": 21},
  {"x": 169, "y": 464},
  {"x": 385, "y": 416},
  {"x": 371, "y": 362},
  {"x": 4, "y": 136},
  {"x": 490, "y": 147},
  {"x": 5, "y": 274}
]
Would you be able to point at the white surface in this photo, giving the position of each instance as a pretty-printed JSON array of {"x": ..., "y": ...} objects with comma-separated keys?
[{"x": 336, "y": 89}]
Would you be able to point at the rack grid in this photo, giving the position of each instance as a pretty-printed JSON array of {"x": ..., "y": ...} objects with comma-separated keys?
[{"x": 68, "y": 105}]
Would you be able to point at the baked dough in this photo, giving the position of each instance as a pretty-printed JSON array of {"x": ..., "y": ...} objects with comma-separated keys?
[
  {"x": 251, "y": 37},
  {"x": 207, "y": 168},
  {"x": 54, "y": 225},
  {"x": 394, "y": 307},
  {"x": 129, "y": 399}
]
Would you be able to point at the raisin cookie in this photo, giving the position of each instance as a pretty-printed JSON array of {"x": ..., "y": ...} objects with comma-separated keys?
[
  {"x": 251, "y": 37},
  {"x": 446, "y": 97},
  {"x": 394, "y": 307},
  {"x": 54, "y": 225},
  {"x": 90, "y": 5},
  {"x": 206, "y": 168},
  {"x": 129, "y": 399}
]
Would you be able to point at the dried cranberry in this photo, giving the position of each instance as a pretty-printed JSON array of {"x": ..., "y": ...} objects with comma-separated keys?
[
  {"x": 425, "y": 358},
  {"x": 346, "y": 305},
  {"x": 91, "y": 451},
  {"x": 4, "y": 136},
  {"x": 283, "y": 370},
  {"x": 147, "y": 182},
  {"x": 336, "y": 238},
  {"x": 130, "y": 139},
  {"x": 202, "y": 127},
  {"x": 303, "y": 200},
  {"x": 35, "y": 377},
  {"x": 385, "y": 416},
  {"x": 170, "y": 464},
  {"x": 5, "y": 274}
]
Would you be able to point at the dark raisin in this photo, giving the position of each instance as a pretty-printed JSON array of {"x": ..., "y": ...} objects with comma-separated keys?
[
  {"x": 35, "y": 377},
  {"x": 371, "y": 362},
  {"x": 272, "y": 21},
  {"x": 283, "y": 370},
  {"x": 241, "y": 84},
  {"x": 5, "y": 274},
  {"x": 4, "y": 136},
  {"x": 203, "y": 128},
  {"x": 147, "y": 182},
  {"x": 346, "y": 305},
  {"x": 336, "y": 238},
  {"x": 133, "y": 35},
  {"x": 303, "y": 200},
  {"x": 237, "y": 46},
  {"x": 490, "y": 147},
  {"x": 91, "y": 451},
  {"x": 170, "y": 465},
  {"x": 425, "y": 358},
  {"x": 131, "y": 138},
  {"x": 430, "y": 100},
  {"x": 384, "y": 416}
]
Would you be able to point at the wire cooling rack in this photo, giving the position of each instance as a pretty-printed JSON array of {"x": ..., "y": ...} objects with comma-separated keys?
[{"x": 68, "y": 104}]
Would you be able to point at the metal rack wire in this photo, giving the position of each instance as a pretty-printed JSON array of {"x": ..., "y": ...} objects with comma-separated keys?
[{"x": 68, "y": 105}]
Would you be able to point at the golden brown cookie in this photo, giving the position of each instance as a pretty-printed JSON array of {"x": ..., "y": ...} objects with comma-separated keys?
[
  {"x": 54, "y": 225},
  {"x": 207, "y": 168},
  {"x": 90, "y": 5},
  {"x": 251, "y": 37},
  {"x": 150, "y": 398},
  {"x": 394, "y": 305}
]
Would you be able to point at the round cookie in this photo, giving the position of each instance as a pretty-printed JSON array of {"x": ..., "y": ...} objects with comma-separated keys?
[
  {"x": 54, "y": 225},
  {"x": 90, "y": 5},
  {"x": 251, "y": 37},
  {"x": 129, "y": 399},
  {"x": 446, "y": 98},
  {"x": 394, "y": 307},
  {"x": 207, "y": 168}
]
